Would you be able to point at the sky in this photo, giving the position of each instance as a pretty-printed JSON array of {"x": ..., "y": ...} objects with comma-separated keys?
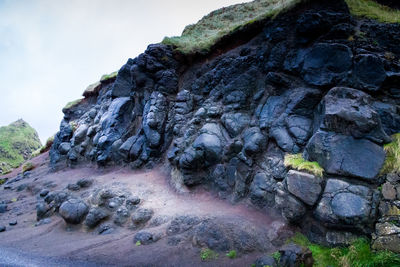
[{"x": 51, "y": 50}]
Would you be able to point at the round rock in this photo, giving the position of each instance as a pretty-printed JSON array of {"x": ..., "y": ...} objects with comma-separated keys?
[{"x": 73, "y": 211}]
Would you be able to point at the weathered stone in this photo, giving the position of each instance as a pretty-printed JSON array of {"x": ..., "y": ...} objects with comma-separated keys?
[
  {"x": 305, "y": 186},
  {"x": 295, "y": 255},
  {"x": 389, "y": 191},
  {"x": 95, "y": 216},
  {"x": 73, "y": 211},
  {"x": 327, "y": 64},
  {"x": 345, "y": 155},
  {"x": 345, "y": 204}
]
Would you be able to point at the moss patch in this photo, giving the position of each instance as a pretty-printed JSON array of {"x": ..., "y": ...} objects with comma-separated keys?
[
  {"x": 17, "y": 142},
  {"x": 107, "y": 77},
  {"x": 359, "y": 253},
  {"x": 72, "y": 104},
  {"x": 373, "y": 10},
  {"x": 207, "y": 254},
  {"x": 392, "y": 161},
  {"x": 200, "y": 37},
  {"x": 296, "y": 161}
]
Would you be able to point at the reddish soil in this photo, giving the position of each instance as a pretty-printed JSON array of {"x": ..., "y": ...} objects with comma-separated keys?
[{"x": 61, "y": 241}]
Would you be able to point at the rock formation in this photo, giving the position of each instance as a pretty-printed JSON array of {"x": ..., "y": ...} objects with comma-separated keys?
[{"x": 314, "y": 80}]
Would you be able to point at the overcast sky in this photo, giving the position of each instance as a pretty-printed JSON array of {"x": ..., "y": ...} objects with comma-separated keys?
[{"x": 50, "y": 50}]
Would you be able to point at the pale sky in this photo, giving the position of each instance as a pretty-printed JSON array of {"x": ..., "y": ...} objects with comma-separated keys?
[{"x": 50, "y": 50}]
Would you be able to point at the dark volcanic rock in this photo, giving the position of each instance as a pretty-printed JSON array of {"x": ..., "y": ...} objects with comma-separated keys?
[
  {"x": 305, "y": 186},
  {"x": 2, "y": 228},
  {"x": 350, "y": 112},
  {"x": 73, "y": 211},
  {"x": 3, "y": 208},
  {"x": 348, "y": 205},
  {"x": 327, "y": 64},
  {"x": 345, "y": 155},
  {"x": 294, "y": 255},
  {"x": 145, "y": 238},
  {"x": 265, "y": 261},
  {"x": 95, "y": 216},
  {"x": 141, "y": 216}
]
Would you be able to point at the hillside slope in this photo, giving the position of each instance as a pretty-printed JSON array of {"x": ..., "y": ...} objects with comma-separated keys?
[{"x": 17, "y": 142}]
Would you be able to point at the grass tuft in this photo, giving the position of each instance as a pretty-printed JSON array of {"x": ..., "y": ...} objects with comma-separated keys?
[
  {"x": 200, "y": 37},
  {"x": 373, "y": 10},
  {"x": 392, "y": 161},
  {"x": 72, "y": 104},
  {"x": 231, "y": 254},
  {"x": 107, "y": 77},
  {"x": 297, "y": 162},
  {"x": 207, "y": 254},
  {"x": 358, "y": 254}
]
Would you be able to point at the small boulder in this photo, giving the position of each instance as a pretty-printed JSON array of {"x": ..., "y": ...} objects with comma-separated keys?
[
  {"x": 3, "y": 208},
  {"x": 73, "y": 187},
  {"x": 145, "y": 238},
  {"x": 73, "y": 211},
  {"x": 254, "y": 141},
  {"x": 305, "y": 186},
  {"x": 95, "y": 216},
  {"x": 13, "y": 223},
  {"x": 294, "y": 255},
  {"x": 84, "y": 182},
  {"x": 141, "y": 216},
  {"x": 265, "y": 261}
]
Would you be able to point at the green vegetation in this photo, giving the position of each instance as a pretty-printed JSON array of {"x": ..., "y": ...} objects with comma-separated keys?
[
  {"x": 207, "y": 254},
  {"x": 17, "y": 142},
  {"x": 46, "y": 147},
  {"x": 72, "y": 104},
  {"x": 297, "y": 162},
  {"x": 28, "y": 166},
  {"x": 392, "y": 162},
  {"x": 2, "y": 181},
  {"x": 373, "y": 10},
  {"x": 231, "y": 254},
  {"x": 138, "y": 243},
  {"x": 277, "y": 256},
  {"x": 200, "y": 37},
  {"x": 359, "y": 253},
  {"x": 106, "y": 77}
]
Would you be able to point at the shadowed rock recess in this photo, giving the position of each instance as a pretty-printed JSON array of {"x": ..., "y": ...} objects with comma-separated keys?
[{"x": 314, "y": 80}]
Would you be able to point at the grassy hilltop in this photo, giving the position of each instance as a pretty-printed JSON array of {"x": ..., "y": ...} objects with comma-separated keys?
[{"x": 17, "y": 142}]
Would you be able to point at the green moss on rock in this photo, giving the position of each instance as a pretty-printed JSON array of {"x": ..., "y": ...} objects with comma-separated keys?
[
  {"x": 72, "y": 104},
  {"x": 392, "y": 161},
  {"x": 296, "y": 161}
]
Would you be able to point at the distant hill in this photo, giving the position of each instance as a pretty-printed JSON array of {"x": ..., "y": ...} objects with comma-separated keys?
[{"x": 17, "y": 142}]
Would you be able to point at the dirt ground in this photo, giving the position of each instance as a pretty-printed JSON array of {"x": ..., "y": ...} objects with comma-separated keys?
[{"x": 76, "y": 245}]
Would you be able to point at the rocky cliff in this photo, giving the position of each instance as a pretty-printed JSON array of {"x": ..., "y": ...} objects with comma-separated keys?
[
  {"x": 313, "y": 80},
  {"x": 17, "y": 142}
]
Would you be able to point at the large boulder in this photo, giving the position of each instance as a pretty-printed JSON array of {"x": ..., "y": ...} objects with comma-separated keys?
[
  {"x": 351, "y": 112},
  {"x": 344, "y": 155},
  {"x": 327, "y": 64},
  {"x": 347, "y": 205},
  {"x": 369, "y": 72},
  {"x": 73, "y": 211}
]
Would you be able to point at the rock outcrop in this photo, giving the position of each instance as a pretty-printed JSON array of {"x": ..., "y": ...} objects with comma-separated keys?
[{"x": 314, "y": 80}]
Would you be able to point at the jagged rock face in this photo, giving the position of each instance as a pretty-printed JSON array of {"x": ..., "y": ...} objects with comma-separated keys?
[{"x": 307, "y": 83}]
